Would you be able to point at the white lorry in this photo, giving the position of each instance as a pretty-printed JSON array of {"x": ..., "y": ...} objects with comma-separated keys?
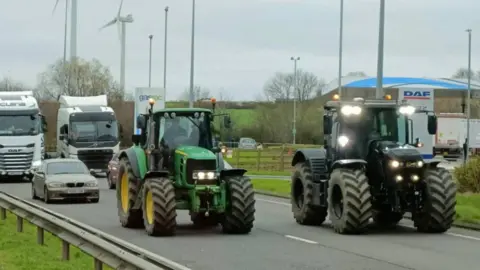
[
  {"x": 22, "y": 143},
  {"x": 87, "y": 130}
]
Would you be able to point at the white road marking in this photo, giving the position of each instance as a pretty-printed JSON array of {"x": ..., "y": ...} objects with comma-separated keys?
[
  {"x": 301, "y": 239},
  {"x": 451, "y": 234}
]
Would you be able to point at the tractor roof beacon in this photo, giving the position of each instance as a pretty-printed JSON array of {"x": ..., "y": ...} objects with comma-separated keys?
[
  {"x": 174, "y": 165},
  {"x": 370, "y": 167}
]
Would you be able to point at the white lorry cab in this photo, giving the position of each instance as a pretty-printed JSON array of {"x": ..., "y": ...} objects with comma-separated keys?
[
  {"x": 22, "y": 127},
  {"x": 87, "y": 130}
]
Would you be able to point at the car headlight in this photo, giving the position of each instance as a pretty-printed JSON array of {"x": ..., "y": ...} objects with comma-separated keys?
[
  {"x": 204, "y": 175},
  {"x": 91, "y": 184},
  {"x": 351, "y": 110},
  {"x": 408, "y": 110},
  {"x": 394, "y": 164},
  {"x": 56, "y": 185},
  {"x": 420, "y": 164},
  {"x": 36, "y": 163},
  {"x": 342, "y": 140}
]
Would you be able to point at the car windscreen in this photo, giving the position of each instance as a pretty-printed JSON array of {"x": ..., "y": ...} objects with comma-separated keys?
[{"x": 67, "y": 168}]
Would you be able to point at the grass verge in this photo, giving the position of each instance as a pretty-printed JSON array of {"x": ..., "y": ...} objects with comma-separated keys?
[
  {"x": 20, "y": 251},
  {"x": 468, "y": 205}
]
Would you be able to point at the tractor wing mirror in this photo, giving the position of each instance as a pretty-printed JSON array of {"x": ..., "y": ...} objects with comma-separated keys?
[
  {"x": 141, "y": 122},
  {"x": 227, "y": 121},
  {"x": 327, "y": 125},
  {"x": 432, "y": 124}
]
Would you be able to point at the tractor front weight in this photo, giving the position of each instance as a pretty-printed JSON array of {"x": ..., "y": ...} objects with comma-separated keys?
[{"x": 208, "y": 198}]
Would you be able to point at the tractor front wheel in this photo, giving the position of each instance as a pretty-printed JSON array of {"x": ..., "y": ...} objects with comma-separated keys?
[
  {"x": 349, "y": 201},
  {"x": 159, "y": 207},
  {"x": 240, "y": 210},
  {"x": 127, "y": 192},
  {"x": 439, "y": 206}
]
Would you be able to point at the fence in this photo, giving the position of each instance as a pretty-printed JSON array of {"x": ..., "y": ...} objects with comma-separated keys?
[
  {"x": 268, "y": 157},
  {"x": 104, "y": 248}
]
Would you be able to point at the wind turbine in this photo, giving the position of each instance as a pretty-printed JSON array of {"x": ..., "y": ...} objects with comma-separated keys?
[
  {"x": 122, "y": 32},
  {"x": 65, "y": 31}
]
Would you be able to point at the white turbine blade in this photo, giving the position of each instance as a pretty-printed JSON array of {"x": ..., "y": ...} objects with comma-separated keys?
[
  {"x": 112, "y": 22},
  {"x": 55, "y": 7},
  {"x": 120, "y": 9}
]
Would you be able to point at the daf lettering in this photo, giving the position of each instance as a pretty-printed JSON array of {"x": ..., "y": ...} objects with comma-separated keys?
[{"x": 424, "y": 94}]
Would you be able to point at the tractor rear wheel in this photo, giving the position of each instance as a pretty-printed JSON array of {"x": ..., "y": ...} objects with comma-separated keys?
[
  {"x": 240, "y": 210},
  {"x": 349, "y": 201},
  {"x": 302, "y": 193},
  {"x": 127, "y": 192},
  {"x": 159, "y": 207},
  {"x": 439, "y": 207}
]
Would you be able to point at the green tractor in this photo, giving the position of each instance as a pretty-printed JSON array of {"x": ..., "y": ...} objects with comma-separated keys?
[{"x": 173, "y": 165}]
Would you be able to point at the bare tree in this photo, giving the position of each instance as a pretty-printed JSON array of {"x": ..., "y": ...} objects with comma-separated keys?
[
  {"x": 7, "y": 84},
  {"x": 462, "y": 73},
  {"x": 81, "y": 78},
  {"x": 357, "y": 73},
  {"x": 199, "y": 92},
  {"x": 280, "y": 86}
]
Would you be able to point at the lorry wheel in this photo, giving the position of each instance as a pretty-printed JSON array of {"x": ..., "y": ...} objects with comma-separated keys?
[
  {"x": 386, "y": 219},
  {"x": 302, "y": 195},
  {"x": 439, "y": 202},
  {"x": 159, "y": 207},
  {"x": 240, "y": 210},
  {"x": 127, "y": 190},
  {"x": 349, "y": 201}
]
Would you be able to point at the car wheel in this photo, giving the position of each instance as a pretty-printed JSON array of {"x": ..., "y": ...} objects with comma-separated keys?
[{"x": 46, "y": 196}]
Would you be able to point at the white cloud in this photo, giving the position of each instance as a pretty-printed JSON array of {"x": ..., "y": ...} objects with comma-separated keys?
[{"x": 239, "y": 44}]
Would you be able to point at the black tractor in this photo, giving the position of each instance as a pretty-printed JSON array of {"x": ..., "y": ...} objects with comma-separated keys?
[{"x": 370, "y": 167}]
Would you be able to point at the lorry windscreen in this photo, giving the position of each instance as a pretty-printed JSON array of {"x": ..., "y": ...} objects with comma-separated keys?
[
  {"x": 20, "y": 125},
  {"x": 91, "y": 131}
]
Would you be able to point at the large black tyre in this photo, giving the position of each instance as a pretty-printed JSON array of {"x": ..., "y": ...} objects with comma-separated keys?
[
  {"x": 240, "y": 210},
  {"x": 159, "y": 207},
  {"x": 129, "y": 217},
  {"x": 439, "y": 207},
  {"x": 301, "y": 196},
  {"x": 349, "y": 201},
  {"x": 386, "y": 219}
]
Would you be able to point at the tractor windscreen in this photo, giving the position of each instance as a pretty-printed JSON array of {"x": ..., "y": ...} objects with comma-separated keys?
[
  {"x": 389, "y": 125},
  {"x": 192, "y": 130}
]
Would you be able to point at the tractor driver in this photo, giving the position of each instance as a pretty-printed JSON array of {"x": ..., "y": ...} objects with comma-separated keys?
[{"x": 173, "y": 131}]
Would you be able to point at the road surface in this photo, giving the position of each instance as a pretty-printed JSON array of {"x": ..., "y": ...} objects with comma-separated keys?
[{"x": 277, "y": 242}]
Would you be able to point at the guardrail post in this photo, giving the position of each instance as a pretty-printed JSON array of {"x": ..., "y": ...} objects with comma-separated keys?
[
  {"x": 40, "y": 235},
  {"x": 97, "y": 264},
  {"x": 65, "y": 250},
  {"x": 3, "y": 213},
  {"x": 19, "y": 224}
]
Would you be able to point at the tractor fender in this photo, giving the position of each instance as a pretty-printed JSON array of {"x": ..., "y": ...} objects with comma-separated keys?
[
  {"x": 349, "y": 163},
  {"x": 306, "y": 155},
  {"x": 232, "y": 172},
  {"x": 135, "y": 156},
  {"x": 431, "y": 164},
  {"x": 162, "y": 173}
]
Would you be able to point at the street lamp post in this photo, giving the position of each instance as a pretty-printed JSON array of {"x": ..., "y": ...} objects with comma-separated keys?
[
  {"x": 150, "y": 62},
  {"x": 340, "y": 51},
  {"x": 192, "y": 57},
  {"x": 165, "y": 51},
  {"x": 295, "y": 90},
  {"x": 381, "y": 38},
  {"x": 469, "y": 87}
]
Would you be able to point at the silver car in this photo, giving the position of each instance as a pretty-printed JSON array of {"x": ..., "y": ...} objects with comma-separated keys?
[
  {"x": 63, "y": 179},
  {"x": 247, "y": 143}
]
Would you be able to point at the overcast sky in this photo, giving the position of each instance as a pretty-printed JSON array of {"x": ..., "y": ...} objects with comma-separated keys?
[{"x": 241, "y": 43}]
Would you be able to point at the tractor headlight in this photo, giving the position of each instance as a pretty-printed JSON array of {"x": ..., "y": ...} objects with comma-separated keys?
[
  {"x": 408, "y": 110},
  {"x": 342, "y": 140},
  {"x": 348, "y": 110},
  {"x": 394, "y": 164},
  {"x": 204, "y": 175}
]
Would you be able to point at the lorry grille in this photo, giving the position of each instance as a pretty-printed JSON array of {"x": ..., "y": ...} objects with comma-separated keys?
[
  {"x": 96, "y": 159},
  {"x": 16, "y": 161},
  {"x": 195, "y": 165}
]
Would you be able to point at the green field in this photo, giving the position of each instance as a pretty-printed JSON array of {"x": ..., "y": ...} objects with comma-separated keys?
[
  {"x": 468, "y": 205},
  {"x": 20, "y": 251}
]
